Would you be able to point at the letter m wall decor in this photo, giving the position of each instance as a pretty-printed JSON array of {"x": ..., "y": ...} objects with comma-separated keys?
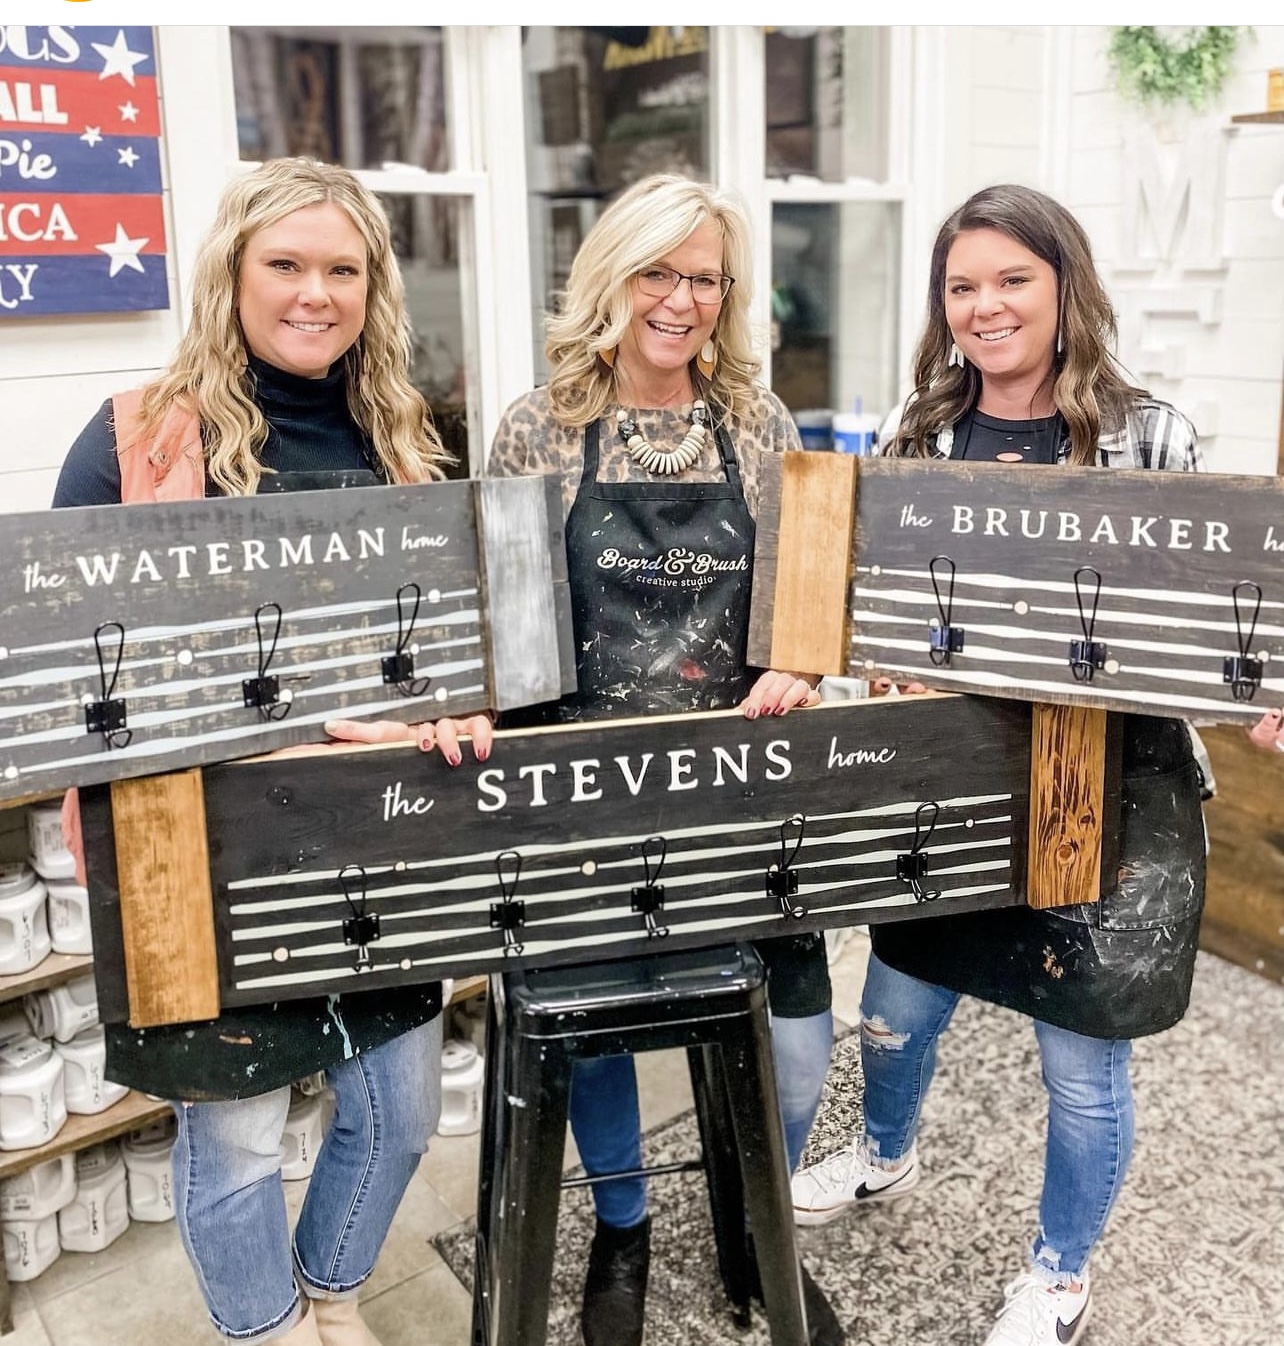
[{"x": 82, "y": 223}]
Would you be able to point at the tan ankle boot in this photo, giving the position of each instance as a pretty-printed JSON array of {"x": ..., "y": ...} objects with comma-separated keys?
[
  {"x": 340, "y": 1324},
  {"x": 303, "y": 1333}
]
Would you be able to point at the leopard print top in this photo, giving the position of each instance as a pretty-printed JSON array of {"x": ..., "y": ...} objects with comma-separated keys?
[{"x": 530, "y": 441}]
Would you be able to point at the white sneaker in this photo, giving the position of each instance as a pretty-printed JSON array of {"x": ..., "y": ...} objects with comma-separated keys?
[
  {"x": 848, "y": 1178},
  {"x": 1038, "y": 1312}
]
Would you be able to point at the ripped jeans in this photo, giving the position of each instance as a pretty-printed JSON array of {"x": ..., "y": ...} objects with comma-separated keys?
[{"x": 1090, "y": 1114}]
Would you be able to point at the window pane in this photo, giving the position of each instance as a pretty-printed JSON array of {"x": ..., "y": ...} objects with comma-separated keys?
[
  {"x": 826, "y": 94},
  {"x": 605, "y": 107},
  {"x": 426, "y": 234},
  {"x": 834, "y": 304},
  {"x": 361, "y": 97}
]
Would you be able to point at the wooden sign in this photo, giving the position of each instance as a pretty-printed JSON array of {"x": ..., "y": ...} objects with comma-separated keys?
[
  {"x": 82, "y": 219},
  {"x": 1155, "y": 592},
  {"x": 140, "y": 638},
  {"x": 341, "y": 869}
]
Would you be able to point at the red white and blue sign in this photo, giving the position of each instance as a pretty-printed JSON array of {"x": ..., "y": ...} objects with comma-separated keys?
[{"x": 82, "y": 224}]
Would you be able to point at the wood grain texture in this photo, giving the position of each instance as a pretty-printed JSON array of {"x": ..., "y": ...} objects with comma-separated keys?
[
  {"x": 817, "y": 509},
  {"x": 517, "y": 570},
  {"x": 1067, "y": 804},
  {"x": 1244, "y": 912},
  {"x": 166, "y": 901}
]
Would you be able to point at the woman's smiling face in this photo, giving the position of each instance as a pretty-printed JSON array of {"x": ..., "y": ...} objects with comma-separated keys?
[{"x": 1001, "y": 304}]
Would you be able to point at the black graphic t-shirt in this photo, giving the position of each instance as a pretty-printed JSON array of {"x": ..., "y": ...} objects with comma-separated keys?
[{"x": 982, "y": 438}]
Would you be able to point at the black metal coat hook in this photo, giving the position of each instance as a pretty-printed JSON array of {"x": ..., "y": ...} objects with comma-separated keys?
[
  {"x": 911, "y": 865},
  {"x": 1087, "y": 655},
  {"x": 107, "y": 716},
  {"x": 649, "y": 897},
  {"x": 782, "y": 877},
  {"x": 362, "y": 927},
  {"x": 264, "y": 690},
  {"x": 1242, "y": 671},
  {"x": 506, "y": 914},
  {"x": 399, "y": 667},
  {"x": 946, "y": 640}
]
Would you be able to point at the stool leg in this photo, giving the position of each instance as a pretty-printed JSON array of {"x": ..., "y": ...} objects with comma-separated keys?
[
  {"x": 751, "y": 1076},
  {"x": 722, "y": 1173},
  {"x": 492, "y": 1146},
  {"x": 535, "y": 1103}
]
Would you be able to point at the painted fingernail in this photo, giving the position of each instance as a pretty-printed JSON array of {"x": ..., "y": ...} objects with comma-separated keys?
[
  {"x": 483, "y": 754},
  {"x": 454, "y": 758}
]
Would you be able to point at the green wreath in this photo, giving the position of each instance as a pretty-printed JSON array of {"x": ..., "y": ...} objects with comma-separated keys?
[{"x": 1155, "y": 70}]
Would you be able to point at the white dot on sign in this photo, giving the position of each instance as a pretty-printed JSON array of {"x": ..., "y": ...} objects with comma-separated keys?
[
  {"x": 183, "y": 657},
  {"x": 1020, "y": 607},
  {"x": 441, "y": 694},
  {"x": 588, "y": 868},
  {"x": 870, "y": 665},
  {"x": 405, "y": 965},
  {"x": 1263, "y": 656},
  {"x": 4, "y": 653},
  {"x": 287, "y": 696},
  {"x": 400, "y": 866},
  {"x": 280, "y": 955},
  {"x": 1112, "y": 665},
  {"x": 434, "y": 595},
  {"x": 414, "y": 649},
  {"x": 11, "y": 773},
  {"x": 933, "y": 622},
  {"x": 969, "y": 822},
  {"x": 876, "y": 570},
  {"x": 87, "y": 699}
]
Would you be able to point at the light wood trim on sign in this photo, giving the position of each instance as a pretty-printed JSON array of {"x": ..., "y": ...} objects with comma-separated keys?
[
  {"x": 166, "y": 902},
  {"x": 817, "y": 511},
  {"x": 1067, "y": 804}
]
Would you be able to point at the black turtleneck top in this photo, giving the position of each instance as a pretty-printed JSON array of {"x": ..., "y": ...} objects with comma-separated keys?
[
  {"x": 259, "y": 1047},
  {"x": 310, "y": 429}
]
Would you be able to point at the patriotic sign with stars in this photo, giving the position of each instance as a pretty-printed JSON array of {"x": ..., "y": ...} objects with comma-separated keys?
[{"x": 82, "y": 227}]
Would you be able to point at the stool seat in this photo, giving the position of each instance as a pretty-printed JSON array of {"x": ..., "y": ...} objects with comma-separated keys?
[{"x": 713, "y": 1002}]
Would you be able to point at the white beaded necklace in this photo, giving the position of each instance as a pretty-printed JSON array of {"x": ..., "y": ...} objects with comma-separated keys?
[{"x": 665, "y": 461}]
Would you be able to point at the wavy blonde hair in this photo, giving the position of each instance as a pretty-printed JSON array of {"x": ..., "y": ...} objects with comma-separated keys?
[
  {"x": 1086, "y": 385},
  {"x": 649, "y": 220},
  {"x": 208, "y": 371}
]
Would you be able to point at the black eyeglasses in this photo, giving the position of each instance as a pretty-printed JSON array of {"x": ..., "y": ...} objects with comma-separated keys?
[{"x": 710, "y": 287}]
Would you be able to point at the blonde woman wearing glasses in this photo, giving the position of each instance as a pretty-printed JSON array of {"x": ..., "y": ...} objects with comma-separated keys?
[{"x": 655, "y": 419}]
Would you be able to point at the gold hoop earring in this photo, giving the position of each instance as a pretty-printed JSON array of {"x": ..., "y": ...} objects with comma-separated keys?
[{"x": 707, "y": 358}]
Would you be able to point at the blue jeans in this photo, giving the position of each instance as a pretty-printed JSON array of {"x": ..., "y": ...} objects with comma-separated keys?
[
  {"x": 608, "y": 1128},
  {"x": 1090, "y": 1116},
  {"x": 231, "y": 1205}
]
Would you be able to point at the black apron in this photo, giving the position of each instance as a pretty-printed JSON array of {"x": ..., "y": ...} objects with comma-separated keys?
[{"x": 660, "y": 575}]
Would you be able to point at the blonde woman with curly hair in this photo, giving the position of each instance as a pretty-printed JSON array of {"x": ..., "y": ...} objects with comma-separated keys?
[
  {"x": 1014, "y": 365},
  {"x": 293, "y": 374},
  {"x": 655, "y": 418}
]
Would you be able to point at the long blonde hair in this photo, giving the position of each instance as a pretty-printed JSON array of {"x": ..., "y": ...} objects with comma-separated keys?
[
  {"x": 1087, "y": 387},
  {"x": 650, "y": 219},
  {"x": 208, "y": 371}
]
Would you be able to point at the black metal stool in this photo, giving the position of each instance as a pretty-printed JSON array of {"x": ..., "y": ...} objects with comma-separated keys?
[{"x": 712, "y": 1002}]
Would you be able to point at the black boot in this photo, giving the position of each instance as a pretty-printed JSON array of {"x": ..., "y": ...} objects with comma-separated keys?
[
  {"x": 823, "y": 1327},
  {"x": 615, "y": 1288}
]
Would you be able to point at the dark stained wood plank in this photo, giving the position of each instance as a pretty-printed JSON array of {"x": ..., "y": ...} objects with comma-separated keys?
[
  {"x": 166, "y": 905},
  {"x": 1067, "y": 804},
  {"x": 301, "y": 844}
]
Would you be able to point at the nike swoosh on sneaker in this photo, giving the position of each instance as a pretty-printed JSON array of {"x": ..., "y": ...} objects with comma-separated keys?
[
  {"x": 1066, "y": 1331},
  {"x": 865, "y": 1190}
]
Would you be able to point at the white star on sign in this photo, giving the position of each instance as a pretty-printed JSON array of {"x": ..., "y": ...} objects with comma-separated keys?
[
  {"x": 92, "y": 136},
  {"x": 127, "y": 156},
  {"x": 123, "y": 251},
  {"x": 128, "y": 112},
  {"x": 118, "y": 59}
]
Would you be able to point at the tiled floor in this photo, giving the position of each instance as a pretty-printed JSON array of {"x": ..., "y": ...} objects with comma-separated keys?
[{"x": 141, "y": 1289}]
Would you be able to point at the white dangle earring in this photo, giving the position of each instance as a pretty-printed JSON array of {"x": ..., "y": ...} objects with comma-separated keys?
[{"x": 956, "y": 355}]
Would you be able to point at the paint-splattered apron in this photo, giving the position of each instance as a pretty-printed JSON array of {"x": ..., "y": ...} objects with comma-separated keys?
[{"x": 660, "y": 575}]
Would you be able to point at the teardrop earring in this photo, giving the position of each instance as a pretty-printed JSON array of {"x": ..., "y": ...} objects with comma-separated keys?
[
  {"x": 707, "y": 358},
  {"x": 956, "y": 355}
]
